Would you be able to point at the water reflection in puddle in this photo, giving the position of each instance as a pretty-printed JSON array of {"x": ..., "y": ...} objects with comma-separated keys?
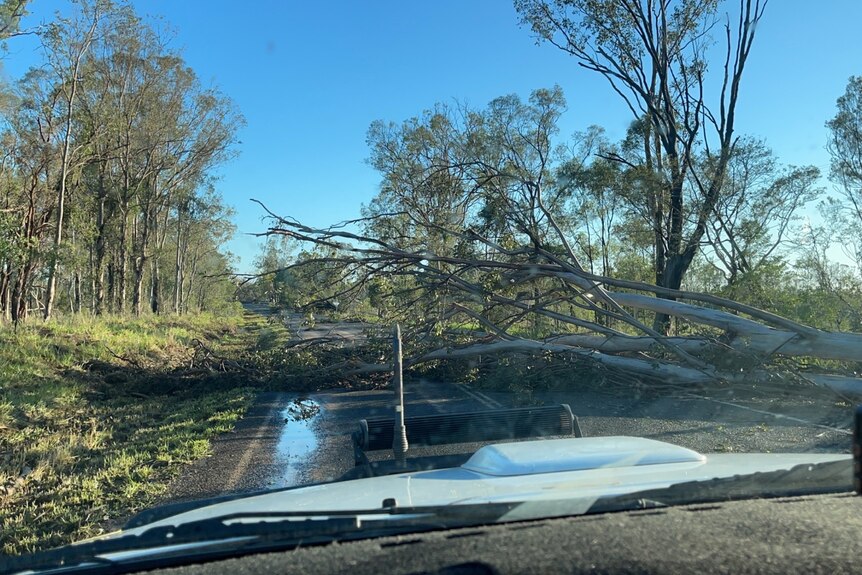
[{"x": 297, "y": 441}]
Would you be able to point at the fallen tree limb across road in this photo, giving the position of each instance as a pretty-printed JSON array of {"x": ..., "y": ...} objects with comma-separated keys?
[{"x": 538, "y": 300}]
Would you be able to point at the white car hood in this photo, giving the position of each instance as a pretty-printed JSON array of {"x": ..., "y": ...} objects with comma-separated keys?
[{"x": 577, "y": 471}]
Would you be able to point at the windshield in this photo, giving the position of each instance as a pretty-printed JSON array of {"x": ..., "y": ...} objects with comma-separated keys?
[{"x": 545, "y": 250}]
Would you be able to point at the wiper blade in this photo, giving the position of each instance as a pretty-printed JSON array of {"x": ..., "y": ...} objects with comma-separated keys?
[
  {"x": 805, "y": 479},
  {"x": 249, "y": 531}
]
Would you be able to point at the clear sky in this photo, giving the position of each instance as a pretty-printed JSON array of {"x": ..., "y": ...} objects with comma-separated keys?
[{"x": 310, "y": 76}]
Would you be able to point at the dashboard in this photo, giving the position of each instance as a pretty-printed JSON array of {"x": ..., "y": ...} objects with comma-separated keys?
[{"x": 810, "y": 534}]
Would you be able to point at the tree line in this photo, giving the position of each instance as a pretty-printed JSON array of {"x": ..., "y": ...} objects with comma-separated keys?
[{"x": 108, "y": 201}]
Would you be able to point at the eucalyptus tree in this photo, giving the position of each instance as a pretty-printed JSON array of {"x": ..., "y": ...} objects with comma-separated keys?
[
  {"x": 654, "y": 55},
  {"x": 33, "y": 124},
  {"x": 845, "y": 148},
  {"x": 448, "y": 169},
  {"x": 754, "y": 222},
  {"x": 66, "y": 43},
  {"x": 423, "y": 190},
  {"x": 109, "y": 112},
  {"x": 190, "y": 130},
  {"x": 272, "y": 265},
  {"x": 514, "y": 158},
  {"x": 426, "y": 192},
  {"x": 490, "y": 170},
  {"x": 202, "y": 223},
  {"x": 11, "y": 12},
  {"x": 595, "y": 202}
]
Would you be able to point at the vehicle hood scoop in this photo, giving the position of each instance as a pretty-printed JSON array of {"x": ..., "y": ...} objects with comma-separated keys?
[{"x": 575, "y": 454}]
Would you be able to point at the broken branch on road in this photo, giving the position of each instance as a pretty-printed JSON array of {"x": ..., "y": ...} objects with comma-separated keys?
[{"x": 536, "y": 298}]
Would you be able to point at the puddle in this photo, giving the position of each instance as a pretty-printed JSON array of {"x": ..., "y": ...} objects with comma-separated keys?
[{"x": 296, "y": 443}]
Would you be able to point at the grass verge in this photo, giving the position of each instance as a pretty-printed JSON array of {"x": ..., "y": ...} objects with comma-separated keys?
[{"x": 98, "y": 415}]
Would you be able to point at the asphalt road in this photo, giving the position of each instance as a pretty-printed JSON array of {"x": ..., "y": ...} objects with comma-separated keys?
[
  {"x": 272, "y": 447},
  {"x": 288, "y": 440},
  {"x": 243, "y": 460},
  {"x": 708, "y": 424}
]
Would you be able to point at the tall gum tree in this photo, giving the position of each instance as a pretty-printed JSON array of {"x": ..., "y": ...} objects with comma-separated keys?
[
  {"x": 653, "y": 53},
  {"x": 190, "y": 129},
  {"x": 67, "y": 44},
  {"x": 845, "y": 148}
]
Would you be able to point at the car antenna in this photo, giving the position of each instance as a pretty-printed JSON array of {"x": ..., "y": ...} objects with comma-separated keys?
[{"x": 399, "y": 433}]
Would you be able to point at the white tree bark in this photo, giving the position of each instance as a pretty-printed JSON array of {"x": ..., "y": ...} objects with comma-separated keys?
[{"x": 752, "y": 336}]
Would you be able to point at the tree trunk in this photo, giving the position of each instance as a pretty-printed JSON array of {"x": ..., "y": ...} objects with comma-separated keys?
[
  {"x": 137, "y": 291},
  {"x": 99, "y": 252},
  {"x": 201, "y": 298},
  {"x": 178, "y": 261},
  {"x": 160, "y": 231},
  {"x": 122, "y": 265},
  {"x": 190, "y": 285},
  {"x": 156, "y": 291},
  {"x": 5, "y": 295},
  {"x": 99, "y": 288},
  {"x": 76, "y": 289},
  {"x": 64, "y": 168},
  {"x": 140, "y": 265},
  {"x": 58, "y": 233},
  {"x": 19, "y": 296},
  {"x": 112, "y": 285}
]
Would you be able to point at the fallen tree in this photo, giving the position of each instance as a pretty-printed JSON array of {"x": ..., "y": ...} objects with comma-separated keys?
[
  {"x": 476, "y": 238},
  {"x": 537, "y": 299}
]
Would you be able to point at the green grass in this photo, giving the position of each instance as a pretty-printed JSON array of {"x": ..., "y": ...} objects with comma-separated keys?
[{"x": 98, "y": 415}]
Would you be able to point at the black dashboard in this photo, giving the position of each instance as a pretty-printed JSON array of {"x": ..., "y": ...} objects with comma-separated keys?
[{"x": 811, "y": 534}]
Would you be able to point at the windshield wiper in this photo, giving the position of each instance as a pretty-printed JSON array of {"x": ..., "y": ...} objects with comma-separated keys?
[
  {"x": 246, "y": 532},
  {"x": 805, "y": 479}
]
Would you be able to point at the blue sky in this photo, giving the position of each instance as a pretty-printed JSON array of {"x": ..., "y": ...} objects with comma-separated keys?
[{"x": 311, "y": 76}]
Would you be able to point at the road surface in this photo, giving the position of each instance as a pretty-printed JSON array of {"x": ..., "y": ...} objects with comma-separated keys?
[
  {"x": 271, "y": 448},
  {"x": 287, "y": 439}
]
